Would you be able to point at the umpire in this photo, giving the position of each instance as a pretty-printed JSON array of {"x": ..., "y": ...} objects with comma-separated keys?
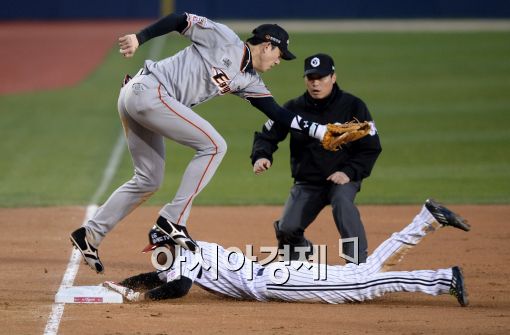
[{"x": 321, "y": 177}]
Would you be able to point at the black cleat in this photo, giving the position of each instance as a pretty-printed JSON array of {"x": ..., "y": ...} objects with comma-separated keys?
[
  {"x": 446, "y": 217},
  {"x": 457, "y": 288},
  {"x": 179, "y": 234},
  {"x": 89, "y": 253}
]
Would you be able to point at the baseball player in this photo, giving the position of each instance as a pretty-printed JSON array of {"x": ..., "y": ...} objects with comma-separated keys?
[
  {"x": 156, "y": 104},
  {"x": 236, "y": 276}
]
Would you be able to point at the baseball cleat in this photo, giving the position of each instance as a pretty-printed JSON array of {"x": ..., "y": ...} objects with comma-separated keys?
[
  {"x": 179, "y": 234},
  {"x": 457, "y": 288},
  {"x": 127, "y": 293},
  {"x": 446, "y": 217},
  {"x": 90, "y": 254}
]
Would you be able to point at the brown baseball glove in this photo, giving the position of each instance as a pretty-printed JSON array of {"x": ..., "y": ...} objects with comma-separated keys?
[{"x": 339, "y": 134}]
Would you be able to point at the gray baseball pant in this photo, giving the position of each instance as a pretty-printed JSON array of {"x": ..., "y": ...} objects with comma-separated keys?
[
  {"x": 306, "y": 201},
  {"x": 149, "y": 115}
]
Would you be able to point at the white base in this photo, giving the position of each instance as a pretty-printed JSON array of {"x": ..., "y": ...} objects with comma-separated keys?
[{"x": 87, "y": 295}]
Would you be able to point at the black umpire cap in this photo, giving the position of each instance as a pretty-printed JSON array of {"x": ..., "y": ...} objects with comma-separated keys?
[
  {"x": 320, "y": 64},
  {"x": 277, "y": 36}
]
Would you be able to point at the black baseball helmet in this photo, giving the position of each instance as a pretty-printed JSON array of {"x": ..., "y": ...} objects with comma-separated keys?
[
  {"x": 156, "y": 239},
  {"x": 277, "y": 36}
]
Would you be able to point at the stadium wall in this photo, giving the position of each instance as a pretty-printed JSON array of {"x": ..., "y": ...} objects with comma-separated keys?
[{"x": 226, "y": 9}]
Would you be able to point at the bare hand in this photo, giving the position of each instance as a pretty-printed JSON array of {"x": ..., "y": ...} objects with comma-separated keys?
[
  {"x": 261, "y": 165},
  {"x": 128, "y": 45},
  {"x": 339, "y": 178}
]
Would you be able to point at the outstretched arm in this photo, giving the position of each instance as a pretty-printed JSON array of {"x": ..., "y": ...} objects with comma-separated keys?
[
  {"x": 173, "y": 22},
  {"x": 268, "y": 106},
  {"x": 143, "y": 281},
  {"x": 171, "y": 290}
]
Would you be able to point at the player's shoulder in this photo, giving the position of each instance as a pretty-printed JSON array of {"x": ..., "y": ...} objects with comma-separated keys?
[{"x": 205, "y": 23}]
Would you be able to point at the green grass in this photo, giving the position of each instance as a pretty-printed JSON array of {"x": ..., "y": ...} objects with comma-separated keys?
[{"x": 440, "y": 100}]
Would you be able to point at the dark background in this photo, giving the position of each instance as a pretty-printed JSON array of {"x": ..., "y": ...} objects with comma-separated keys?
[{"x": 227, "y": 9}]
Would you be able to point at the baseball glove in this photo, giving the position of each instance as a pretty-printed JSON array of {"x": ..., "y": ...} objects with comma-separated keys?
[{"x": 342, "y": 133}]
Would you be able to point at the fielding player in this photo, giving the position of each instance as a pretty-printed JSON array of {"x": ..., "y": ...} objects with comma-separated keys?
[
  {"x": 236, "y": 276},
  {"x": 156, "y": 104}
]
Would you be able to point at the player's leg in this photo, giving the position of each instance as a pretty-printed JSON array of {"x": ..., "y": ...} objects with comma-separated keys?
[
  {"x": 148, "y": 155},
  {"x": 343, "y": 285},
  {"x": 302, "y": 207},
  {"x": 431, "y": 217},
  {"x": 348, "y": 220},
  {"x": 168, "y": 117},
  {"x": 432, "y": 282},
  {"x": 186, "y": 127}
]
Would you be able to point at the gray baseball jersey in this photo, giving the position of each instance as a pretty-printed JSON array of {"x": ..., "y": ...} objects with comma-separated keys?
[
  {"x": 211, "y": 66},
  {"x": 156, "y": 104},
  {"x": 232, "y": 274}
]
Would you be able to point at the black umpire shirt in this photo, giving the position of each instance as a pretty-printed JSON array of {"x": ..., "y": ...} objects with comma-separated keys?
[{"x": 310, "y": 162}]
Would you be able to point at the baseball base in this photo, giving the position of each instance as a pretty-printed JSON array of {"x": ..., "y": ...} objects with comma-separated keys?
[{"x": 87, "y": 295}]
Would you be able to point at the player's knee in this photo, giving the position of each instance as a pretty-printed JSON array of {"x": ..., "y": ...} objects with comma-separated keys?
[
  {"x": 217, "y": 147},
  {"x": 222, "y": 146},
  {"x": 149, "y": 182}
]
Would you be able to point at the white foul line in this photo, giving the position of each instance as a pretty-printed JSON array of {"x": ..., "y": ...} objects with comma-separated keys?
[
  {"x": 57, "y": 309},
  {"x": 72, "y": 269}
]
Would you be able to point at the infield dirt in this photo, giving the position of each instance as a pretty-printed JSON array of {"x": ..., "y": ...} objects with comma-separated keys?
[{"x": 35, "y": 250}]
